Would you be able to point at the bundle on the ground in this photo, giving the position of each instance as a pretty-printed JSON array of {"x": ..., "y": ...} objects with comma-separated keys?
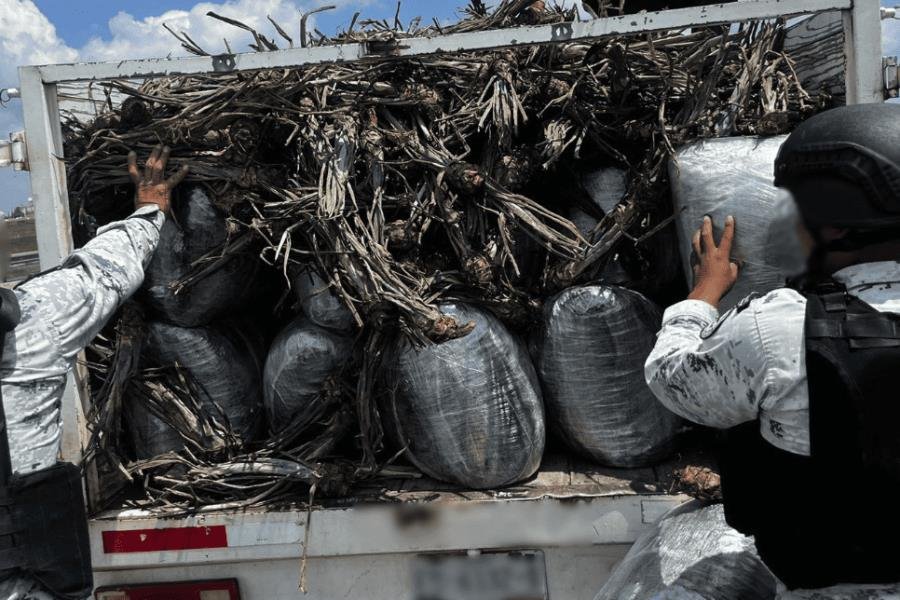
[
  {"x": 734, "y": 176},
  {"x": 193, "y": 237},
  {"x": 302, "y": 376},
  {"x": 469, "y": 410},
  {"x": 590, "y": 356},
  {"x": 691, "y": 553}
]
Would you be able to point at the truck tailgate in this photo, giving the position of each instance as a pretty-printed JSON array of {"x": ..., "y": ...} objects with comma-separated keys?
[{"x": 582, "y": 516}]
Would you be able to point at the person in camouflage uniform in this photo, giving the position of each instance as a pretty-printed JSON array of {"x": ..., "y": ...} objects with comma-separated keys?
[
  {"x": 804, "y": 379},
  {"x": 62, "y": 311}
]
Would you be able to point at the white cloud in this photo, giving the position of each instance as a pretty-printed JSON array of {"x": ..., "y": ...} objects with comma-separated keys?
[
  {"x": 27, "y": 37},
  {"x": 146, "y": 37}
]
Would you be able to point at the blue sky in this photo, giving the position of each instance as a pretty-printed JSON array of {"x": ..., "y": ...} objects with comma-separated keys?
[
  {"x": 90, "y": 18},
  {"x": 48, "y": 31}
]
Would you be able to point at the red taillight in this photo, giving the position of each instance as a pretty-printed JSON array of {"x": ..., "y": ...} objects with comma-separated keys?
[{"x": 220, "y": 589}]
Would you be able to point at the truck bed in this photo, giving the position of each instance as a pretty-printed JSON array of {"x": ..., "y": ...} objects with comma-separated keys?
[
  {"x": 561, "y": 476},
  {"x": 581, "y": 516}
]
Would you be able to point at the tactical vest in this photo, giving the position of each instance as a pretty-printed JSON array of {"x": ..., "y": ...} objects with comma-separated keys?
[
  {"x": 832, "y": 517},
  {"x": 43, "y": 521}
]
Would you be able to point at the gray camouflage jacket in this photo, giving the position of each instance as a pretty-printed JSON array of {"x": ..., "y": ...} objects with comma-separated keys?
[
  {"x": 750, "y": 363},
  {"x": 62, "y": 311}
]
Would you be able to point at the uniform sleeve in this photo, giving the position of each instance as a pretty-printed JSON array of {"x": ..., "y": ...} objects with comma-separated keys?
[
  {"x": 79, "y": 298},
  {"x": 709, "y": 369}
]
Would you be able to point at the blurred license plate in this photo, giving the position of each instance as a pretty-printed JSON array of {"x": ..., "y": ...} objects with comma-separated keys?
[{"x": 489, "y": 576}]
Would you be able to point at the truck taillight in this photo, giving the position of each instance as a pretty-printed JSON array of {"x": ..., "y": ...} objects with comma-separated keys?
[{"x": 220, "y": 589}]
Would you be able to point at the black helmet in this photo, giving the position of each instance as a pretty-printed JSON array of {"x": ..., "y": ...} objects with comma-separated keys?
[{"x": 843, "y": 168}]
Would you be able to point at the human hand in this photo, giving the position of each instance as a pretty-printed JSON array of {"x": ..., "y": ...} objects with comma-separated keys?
[
  {"x": 150, "y": 185},
  {"x": 715, "y": 273}
]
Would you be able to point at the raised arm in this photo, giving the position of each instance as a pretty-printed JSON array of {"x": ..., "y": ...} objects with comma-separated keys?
[
  {"x": 706, "y": 370},
  {"x": 80, "y": 297}
]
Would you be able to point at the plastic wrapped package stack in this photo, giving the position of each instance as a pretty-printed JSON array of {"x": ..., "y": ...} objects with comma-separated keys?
[
  {"x": 468, "y": 410},
  {"x": 319, "y": 303},
  {"x": 195, "y": 229},
  {"x": 690, "y": 554},
  {"x": 300, "y": 362},
  {"x": 590, "y": 354},
  {"x": 223, "y": 366},
  {"x": 734, "y": 176}
]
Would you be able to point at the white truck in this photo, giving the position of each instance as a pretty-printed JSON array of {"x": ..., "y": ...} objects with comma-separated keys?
[{"x": 558, "y": 536}]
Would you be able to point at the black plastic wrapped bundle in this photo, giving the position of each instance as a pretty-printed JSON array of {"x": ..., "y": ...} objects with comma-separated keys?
[
  {"x": 319, "y": 303},
  {"x": 691, "y": 553},
  {"x": 468, "y": 410},
  {"x": 590, "y": 357},
  {"x": 221, "y": 364},
  {"x": 302, "y": 359},
  {"x": 150, "y": 435},
  {"x": 195, "y": 229}
]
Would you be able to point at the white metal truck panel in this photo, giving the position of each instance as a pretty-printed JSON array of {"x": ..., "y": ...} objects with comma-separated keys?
[
  {"x": 573, "y": 573},
  {"x": 368, "y": 552},
  {"x": 378, "y": 529},
  {"x": 862, "y": 39}
]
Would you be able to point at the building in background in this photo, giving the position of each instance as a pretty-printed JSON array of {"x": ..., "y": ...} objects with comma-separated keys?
[
  {"x": 25, "y": 211},
  {"x": 22, "y": 243}
]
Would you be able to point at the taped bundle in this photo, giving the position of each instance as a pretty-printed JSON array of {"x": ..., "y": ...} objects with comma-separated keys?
[
  {"x": 469, "y": 410},
  {"x": 590, "y": 357},
  {"x": 303, "y": 360},
  {"x": 221, "y": 365},
  {"x": 196, "y": 230}
]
